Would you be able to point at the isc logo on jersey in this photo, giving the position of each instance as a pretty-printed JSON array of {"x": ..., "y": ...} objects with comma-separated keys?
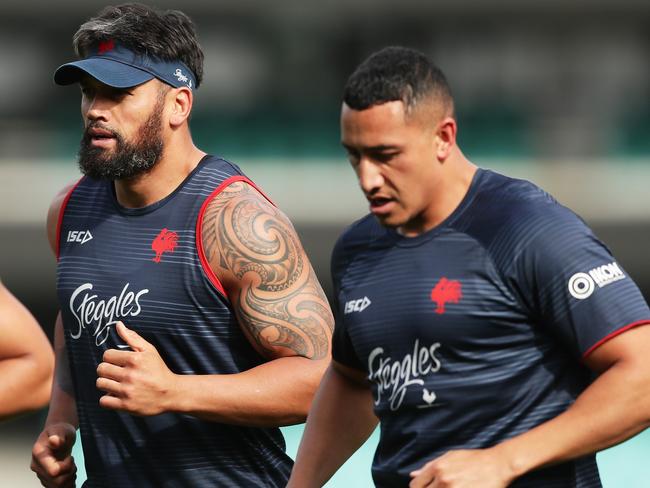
[
  {"x": 582, "y": 285},
  {"x": 358, "y": 305},
  {"x": 80, "y": 236}
]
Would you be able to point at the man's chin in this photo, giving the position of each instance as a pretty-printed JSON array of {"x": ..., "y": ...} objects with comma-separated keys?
[{"x": 389, "y": 220}]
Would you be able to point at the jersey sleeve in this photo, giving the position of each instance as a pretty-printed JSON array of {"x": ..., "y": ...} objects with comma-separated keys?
[
  {"x": 572, "y": 284},
  {"x": 342, "y": 347}
]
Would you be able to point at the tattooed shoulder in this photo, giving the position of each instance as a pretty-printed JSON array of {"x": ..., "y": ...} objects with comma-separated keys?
[{"x": 276, "y": 295}]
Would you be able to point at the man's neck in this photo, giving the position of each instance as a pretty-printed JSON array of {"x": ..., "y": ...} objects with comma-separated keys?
[{"x": 168, "y": 173}]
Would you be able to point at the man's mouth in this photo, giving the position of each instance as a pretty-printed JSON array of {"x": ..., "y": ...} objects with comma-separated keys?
[
  {"x": 378, "y": 202},
  {"x": 101, "y": 137},
  {"x": 380, "y": 205}
]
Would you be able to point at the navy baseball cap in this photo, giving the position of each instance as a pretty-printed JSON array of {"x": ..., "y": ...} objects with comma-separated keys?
[{"x": 120, "y": 67}]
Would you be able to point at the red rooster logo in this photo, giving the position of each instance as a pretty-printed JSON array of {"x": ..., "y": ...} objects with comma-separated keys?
[
  {"x": 446, "y": 291},
  {"x": 106, "y": 46},
  {"x": 166, "y": 241}
]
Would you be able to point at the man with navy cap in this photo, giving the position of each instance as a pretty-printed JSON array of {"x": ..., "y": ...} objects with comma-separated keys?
[{"x": 192, "y": 324}]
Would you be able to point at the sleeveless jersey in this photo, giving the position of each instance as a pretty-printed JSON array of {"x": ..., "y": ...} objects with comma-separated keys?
[
  {"x": 146, "y": 267},
  {"x": 473, "y": 332}
]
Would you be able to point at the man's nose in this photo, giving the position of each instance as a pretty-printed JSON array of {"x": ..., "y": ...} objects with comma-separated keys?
[
  {"x": 370, "y": 177},
  {"x": 97, "y": 109}
]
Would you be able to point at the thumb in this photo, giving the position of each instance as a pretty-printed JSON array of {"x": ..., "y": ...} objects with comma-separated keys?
[
  {"x": 61, "y": 438},
  {"x": 131, "y": 337}
]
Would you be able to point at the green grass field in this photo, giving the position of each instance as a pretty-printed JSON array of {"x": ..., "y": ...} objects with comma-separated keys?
[{"x": 623, "y": 466}]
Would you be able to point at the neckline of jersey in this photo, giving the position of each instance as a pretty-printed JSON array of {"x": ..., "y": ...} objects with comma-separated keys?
[
  {"x": 403, "y": 241},
  {"x": 160, "y": 203}
]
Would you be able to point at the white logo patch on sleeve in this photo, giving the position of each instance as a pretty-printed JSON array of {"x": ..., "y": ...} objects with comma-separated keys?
[{"x": 582, "y": 285}]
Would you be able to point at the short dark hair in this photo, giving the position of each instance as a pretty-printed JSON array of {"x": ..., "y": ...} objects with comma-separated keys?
[
  {"x": 396, "y": 73},
  {"x": 165, "y": 34}
]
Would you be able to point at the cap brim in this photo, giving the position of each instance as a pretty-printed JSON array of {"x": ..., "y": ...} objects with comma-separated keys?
[{"x": 107, "y": 71}]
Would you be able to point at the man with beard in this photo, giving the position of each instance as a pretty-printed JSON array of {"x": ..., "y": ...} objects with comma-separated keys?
[
  {"x": 26, "y": 359},
  {"x": 471, "y": 308},
  {"x": 192, "y": 324}
]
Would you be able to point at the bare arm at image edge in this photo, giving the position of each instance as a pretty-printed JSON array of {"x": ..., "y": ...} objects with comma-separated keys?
[{"x": 26, "y": 359}]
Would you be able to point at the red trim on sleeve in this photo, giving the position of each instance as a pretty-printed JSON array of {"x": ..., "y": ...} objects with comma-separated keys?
[
  {"x": 199, "y": 227},
  {"x": 614, "y": 334},
  {"x": 60, "y": 219}
]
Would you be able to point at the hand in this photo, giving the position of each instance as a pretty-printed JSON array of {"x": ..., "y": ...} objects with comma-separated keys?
[
  {"x": 464, "y": 469},
  {"x": 136, "y": 381},
  {"x": 51, "y": 459}
]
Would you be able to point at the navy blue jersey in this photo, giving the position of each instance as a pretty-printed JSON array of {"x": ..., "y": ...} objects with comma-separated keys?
[
  {"x": 146, "y": 267},
  {"x": 473, "y": 332}
]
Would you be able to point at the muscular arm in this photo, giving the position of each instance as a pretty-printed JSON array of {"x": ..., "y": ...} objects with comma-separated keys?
[
  {"x": 26, "y": 359},
  {"x": 254, "y": 251},
  {"x": 279, "y": 304},
  {"x": 256, "y": 254},
  {"x": 340, "y": 420}
]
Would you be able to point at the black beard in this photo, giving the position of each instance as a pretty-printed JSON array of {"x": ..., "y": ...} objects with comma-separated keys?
[{"x": 128, "y": 159}]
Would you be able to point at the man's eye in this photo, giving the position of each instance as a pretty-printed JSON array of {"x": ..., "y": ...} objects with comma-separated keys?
[
  {"x": 353, "y": 158},
  {"x": 118, "y": 94},
  {"x": 384, "y": 157}
]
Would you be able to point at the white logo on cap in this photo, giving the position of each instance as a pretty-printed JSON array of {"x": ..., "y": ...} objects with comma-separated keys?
[{"x": 182, "y": 78}]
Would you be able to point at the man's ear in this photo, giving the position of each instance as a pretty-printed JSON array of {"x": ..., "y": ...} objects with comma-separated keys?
[
  {"x": 445, "y": 138},
  {"x": 182, "y": 99}
]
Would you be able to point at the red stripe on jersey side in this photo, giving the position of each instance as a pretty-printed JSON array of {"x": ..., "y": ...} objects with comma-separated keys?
[
  {"x": 614, "y": 334},
  {"x": 59, "y": 223},
  {"x": 199, "y": 227}
]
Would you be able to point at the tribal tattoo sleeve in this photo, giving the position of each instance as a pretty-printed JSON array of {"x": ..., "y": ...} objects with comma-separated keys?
[{"x": 277, "y": 297}]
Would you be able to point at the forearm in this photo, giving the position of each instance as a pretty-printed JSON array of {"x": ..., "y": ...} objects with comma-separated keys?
[
  {"x": 613, "y": 408},
  {"x": 63, "y": 406},
  {"x": 340, "y": 421},
  {"x": 275, "y": 393},
  {"x": 25, "y": 385}
]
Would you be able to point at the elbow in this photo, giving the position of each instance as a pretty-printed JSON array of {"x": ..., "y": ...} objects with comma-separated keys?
[
  {"x": 310, "y": 387},
  {"x": 41, "y": 384},
  {"x": 43, "y": 393},
  {"x": 31, "y": 386},
  {"x": 636, "y": 376},
  {"x": 40, "y": 396},
  {"x": 303, "y": 405}
]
